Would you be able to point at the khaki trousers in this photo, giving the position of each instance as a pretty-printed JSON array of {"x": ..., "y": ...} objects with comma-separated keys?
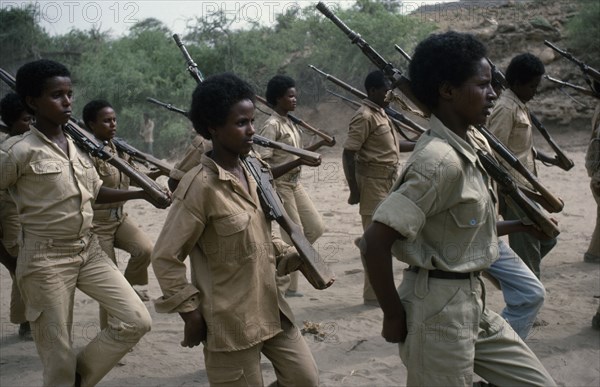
[
  {"x": 122, "y": 233},
  {"x": 10, "y": 238},
  {"x": 452, "y": 334},
  {"x": 302, "y": 211},
  {"x": 372, "y": 191},
  {"x": 288, "y": 352},
  {"x": 594, "y": 248},
  {"x": 48, "y": 271}
]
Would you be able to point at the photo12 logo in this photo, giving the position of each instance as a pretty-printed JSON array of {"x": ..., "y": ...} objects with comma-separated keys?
[{"x": 80, "y": 12}]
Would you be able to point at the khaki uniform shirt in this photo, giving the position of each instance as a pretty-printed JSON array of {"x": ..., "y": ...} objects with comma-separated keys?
[
  {"x": 53, "y": 192},
  {"x": 281, "y": 129},
  {"x": 510, "y": 122},
  {"x": 223, "y": 229},
  {"x": 193, "y": 155},
  {"x": 372, "y": 137},
  {"x": 111, "y": 177},
  {"x": 442, "y": 205}
]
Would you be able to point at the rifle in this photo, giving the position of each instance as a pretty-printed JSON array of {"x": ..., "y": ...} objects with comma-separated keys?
[
  {"x": 402, "y": 52},
  {"x": 580, "y": 89},
  {"x": 258, "y": 140},
  {"x": 546, "y": 198},
  {"x": 396, "y": 116},
  {"x": 89, "y": 144},
  {"x": 585, "y": 69},
  {"x": 391, "y": 72},
  {"x": 141, "y": 157},
  {"x": 560, "y": 160},
  {"x": 313, "y": 266},
  {"x": 508, "y": 186},
  {"x": 193, "y": 69},
  {"x": 397, "y": 124},
  {"x": 167, "y": 106}
]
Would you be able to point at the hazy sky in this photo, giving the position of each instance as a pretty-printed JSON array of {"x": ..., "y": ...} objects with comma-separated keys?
[{"x": 59, "y": 17}]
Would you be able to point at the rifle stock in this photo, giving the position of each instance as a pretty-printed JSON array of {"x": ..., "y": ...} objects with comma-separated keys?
[
  {"x": 88, "y": 143},
  {"x": 302, "y": 153},
  {"x": 313, "y": 267},
  {"x": 508, "y": 186}
]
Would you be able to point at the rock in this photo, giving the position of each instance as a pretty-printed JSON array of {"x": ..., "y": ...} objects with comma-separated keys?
[{"x": 547, "y": 55}]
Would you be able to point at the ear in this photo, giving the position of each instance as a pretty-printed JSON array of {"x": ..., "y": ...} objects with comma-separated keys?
[
  {"x": 31, "y": 102},
  {"x": 446, "y": 91}
]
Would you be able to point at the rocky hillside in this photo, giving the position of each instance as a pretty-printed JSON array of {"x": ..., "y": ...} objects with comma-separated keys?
[{"x": 512, "y": 27}]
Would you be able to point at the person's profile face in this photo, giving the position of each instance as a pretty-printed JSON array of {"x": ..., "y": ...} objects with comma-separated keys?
[
  {"x": 475, "y": 97},
  {"x": 236, "y": 134},
  {"x": 104, "y": 126},
  {"x": 288, "y": 100},
  {"x": 526, "y": 91}
]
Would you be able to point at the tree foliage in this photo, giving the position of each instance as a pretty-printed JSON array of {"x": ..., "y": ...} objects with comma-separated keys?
[
  {"x": 147, "y": 63},
  {"x": 584, "y": 31}
]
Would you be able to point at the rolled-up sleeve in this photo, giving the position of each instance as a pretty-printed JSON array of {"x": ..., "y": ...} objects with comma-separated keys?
[
  {"x": 407, "y": 207},
  {"x": 358, "y": 131}
]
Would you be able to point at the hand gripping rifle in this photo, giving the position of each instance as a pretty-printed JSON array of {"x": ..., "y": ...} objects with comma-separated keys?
[
  {"x": 313, "y": 266},
  {"x": 400, "y": 119},
  {"x": 193, "y": 69},
  {"x": 560, "y": 160},
  {"x": 88, "y": 143}
]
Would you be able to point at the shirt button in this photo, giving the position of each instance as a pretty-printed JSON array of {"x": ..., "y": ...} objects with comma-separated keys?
[{"x": 473, "y": 222}]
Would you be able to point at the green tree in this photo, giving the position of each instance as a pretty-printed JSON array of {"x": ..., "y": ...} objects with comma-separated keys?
[{"x": 583, "y": 32}]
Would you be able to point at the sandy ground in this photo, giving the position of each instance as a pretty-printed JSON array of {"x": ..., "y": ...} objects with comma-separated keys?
[{"x": 351, "y": 351}]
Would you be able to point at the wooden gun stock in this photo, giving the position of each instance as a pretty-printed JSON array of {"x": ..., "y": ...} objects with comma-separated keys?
[
  {"x": 510, "y": 189},
  {"x": 313, "y": 267},
  {"x": 551, "y": 203},
  {"x": 302, "y": 153}
]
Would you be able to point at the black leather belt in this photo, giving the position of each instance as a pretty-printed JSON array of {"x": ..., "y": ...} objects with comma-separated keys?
[{"x": 440, "y": 274}]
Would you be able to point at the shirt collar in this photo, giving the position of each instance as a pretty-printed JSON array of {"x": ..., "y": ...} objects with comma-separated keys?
[
  {"x": 44, "y": 138},
  {"x": 438, "y": 129},
  {"x": 513, "y": 97},
  {"x": 373, "y": 105}
]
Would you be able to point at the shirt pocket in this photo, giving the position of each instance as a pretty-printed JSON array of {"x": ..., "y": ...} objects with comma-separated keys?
[
  {"x": 235, "y": 242},
  {"x": 381, "y": 130},
  {"x": 47, "y": 178},
  {"x": 462, "y": 239}
]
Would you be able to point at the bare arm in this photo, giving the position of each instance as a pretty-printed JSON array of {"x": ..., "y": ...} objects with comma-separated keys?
[
  {"x": 376, "y": 248},
  {"x": 349, "y": 164}
]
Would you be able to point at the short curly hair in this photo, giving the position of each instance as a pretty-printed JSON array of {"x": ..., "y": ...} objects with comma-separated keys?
[
  {"x": 277, "y": 87},
  {"x": 91, "y": 109},
  {"x": 523, "y": 68},
  {"x": 375, "y": 79},
  {"x": 213, "y": 99},
  {"x": 11, "y": 108},
  {"x": 448, "y": 57},
  {"x": 31, "y": 77}
]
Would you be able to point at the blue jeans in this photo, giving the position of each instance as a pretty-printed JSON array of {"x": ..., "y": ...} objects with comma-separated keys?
[{"x": 523, "y": 292}]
